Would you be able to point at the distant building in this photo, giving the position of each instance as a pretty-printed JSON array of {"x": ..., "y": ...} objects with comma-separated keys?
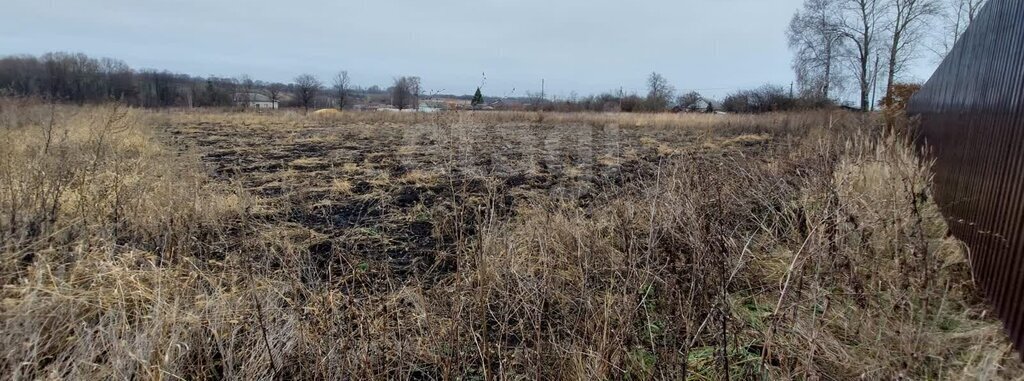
[
  {"x": 446, "y": 103},
  {"x": 427, "y": 108},
  {"x": 700, "y": 106},
  {"x": 372, "y": 107},
  {"x": 254, "y": 100}
]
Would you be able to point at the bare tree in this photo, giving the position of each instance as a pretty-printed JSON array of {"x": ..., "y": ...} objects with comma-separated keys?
[
  {"x": 906, "y": 31},
  {"x": 306, "y": 89},
  {"x": 341, "y": 88},
  {"x": 274, "y": 91},
  {"x": 415, "y": 90},
  {"x": 405, "y": 93},
  {"x": 817, "y": 42},
  {"x": 859, "y": 25},
  {"x": 118, "y": 78},
  {"x": 659, "y": 91},
  {"x": 248, "y": 86},
  {"x": 956, "y": 16}
]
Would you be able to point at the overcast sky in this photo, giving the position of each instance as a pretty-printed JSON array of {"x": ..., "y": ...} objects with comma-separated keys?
[{"x": 586, "y": 46}]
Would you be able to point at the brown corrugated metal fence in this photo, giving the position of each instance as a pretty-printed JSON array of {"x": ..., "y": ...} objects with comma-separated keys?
[{"x": 972, "y": 123}]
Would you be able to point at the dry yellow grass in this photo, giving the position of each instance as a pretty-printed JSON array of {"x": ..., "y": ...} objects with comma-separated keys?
[
  {"x": 609, "y": 161},
  {"x": 307, "y": 162},
  {"x": 120, "y": 259},
  {"x": 327, "y": 113},
  {"x": 748, "y": 139},
  {"x": 505, "y": 119},
  {"x": 417, "y": 176},
  {"x": 341, "y": 186}
]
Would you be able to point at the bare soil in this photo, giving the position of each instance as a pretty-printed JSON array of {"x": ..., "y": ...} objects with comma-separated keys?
[{"x": 402, "y": 195}]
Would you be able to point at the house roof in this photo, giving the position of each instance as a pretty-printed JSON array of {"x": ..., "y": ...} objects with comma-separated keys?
[{"x": 251, "y": 97}]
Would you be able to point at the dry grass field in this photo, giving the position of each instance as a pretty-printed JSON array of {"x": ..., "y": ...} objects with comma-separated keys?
[{"x": 490, "y": 246}]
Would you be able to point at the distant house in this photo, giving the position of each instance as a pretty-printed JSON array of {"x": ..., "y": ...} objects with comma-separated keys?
[
  {"x": 372, "y": 107},
  {"x": 447, "y": 103},
  {"x": 700, "y": 106},
  {"x": 254, "y": 100},
  {"x": 427, "y": 108}
]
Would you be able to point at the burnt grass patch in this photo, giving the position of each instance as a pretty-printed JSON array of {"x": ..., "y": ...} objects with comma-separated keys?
[{"x": 398, "y": 198}]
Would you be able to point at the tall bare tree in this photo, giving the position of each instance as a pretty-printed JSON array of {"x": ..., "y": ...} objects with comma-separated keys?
[
  {"x": 416, "y": 90},
  {"x": 341, "y": 88},
  {"x": 859, "y": 25},
  {"x": 817, "y": 42},
  {"x": 405, "y": 93},
  {"x": 955, "y": 16},
  {"x": 659, "y": 92},
  {"x": 907, "y": 20},
  {"x": 306, "y": 89},
  {"x": 119, "y": 79},
  {"x": 274, "y": 91},
  {"x": 246, "y": 97}
]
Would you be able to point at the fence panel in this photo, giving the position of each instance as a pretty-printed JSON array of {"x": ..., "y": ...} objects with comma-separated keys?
[{"x": 972, "y": 123}]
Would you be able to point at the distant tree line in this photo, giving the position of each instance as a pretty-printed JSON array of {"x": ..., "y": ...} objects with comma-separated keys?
[
  {"x": 662, "y": 97},
  {"x": 77, "y": 78}
]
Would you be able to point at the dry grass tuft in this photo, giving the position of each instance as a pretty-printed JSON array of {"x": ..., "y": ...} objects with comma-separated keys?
[
  {"x": 418, "y": 176},
  {"x": 341, "y": 186},
  {"x": 747, "y": 140}
]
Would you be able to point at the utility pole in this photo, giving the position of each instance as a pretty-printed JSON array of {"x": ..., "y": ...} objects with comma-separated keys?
[{"x": 542, "y": 88}]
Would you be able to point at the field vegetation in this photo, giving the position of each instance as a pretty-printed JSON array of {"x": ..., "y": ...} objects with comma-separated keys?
[{"x": 492, "y": 245}]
